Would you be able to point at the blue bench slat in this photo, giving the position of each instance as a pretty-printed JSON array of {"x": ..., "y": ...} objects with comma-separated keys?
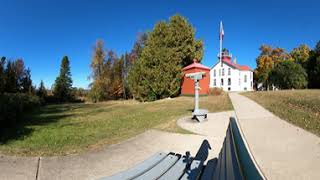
[
  {"x": 249, "y": 168},
  {"x": 194, "y": 171},
  {"x": 158, "y": 170},
  {"x": 209, "y": 170},
  {"x": 233, "y": 166},
  {"x": 176, "y": 171},
  {"x": 138, "y": 169}
]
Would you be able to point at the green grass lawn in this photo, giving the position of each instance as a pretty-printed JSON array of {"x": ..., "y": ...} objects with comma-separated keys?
[
  {"x": 73, "y": 128},
  {"x": 299, "y": 107}
]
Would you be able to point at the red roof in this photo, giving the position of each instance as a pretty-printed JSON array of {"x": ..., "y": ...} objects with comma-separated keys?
[
  {"x": 237, "y": 66},
  {"x": 196, "y": 65}
]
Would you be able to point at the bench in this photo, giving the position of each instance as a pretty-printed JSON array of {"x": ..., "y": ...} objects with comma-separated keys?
[{"x": 234, "y": 162}]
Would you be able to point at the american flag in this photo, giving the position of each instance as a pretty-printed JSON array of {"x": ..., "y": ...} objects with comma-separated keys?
[{"x": 221, "y": 31}]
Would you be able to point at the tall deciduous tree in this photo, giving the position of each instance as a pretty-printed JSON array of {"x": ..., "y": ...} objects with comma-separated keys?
[
  {"x": 63, "y": 83},
  {"x": 288, "y": 75},
  {"x": 107, "y": 74},
  {"x": 97, "y": 91},
  {"x": 301, "y": 54},
  {"x": 266, "y": 61},
  {"x": 158, "y": 71}
]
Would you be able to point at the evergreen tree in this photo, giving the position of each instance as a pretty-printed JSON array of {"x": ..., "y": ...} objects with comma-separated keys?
[
  {"x": 313, "y": 67},
  {"x": 157, "y": 72},
  {"x": 42, "y": 92},
  {"x": 11, "y": 85},
  {"x": 2, "y": 74},
  {"x": 63, "y": 83},
  {"x": 26, "y": 82}
]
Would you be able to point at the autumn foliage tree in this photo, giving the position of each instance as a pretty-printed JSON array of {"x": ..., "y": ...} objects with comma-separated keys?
[
  {"x": 107, "y": 74},
  {"x": 266, "y": 61}
]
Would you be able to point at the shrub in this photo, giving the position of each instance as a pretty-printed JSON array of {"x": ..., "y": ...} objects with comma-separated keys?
[
  {"x": 215, "y": 91},
  {"x": 13, "y": 106}
]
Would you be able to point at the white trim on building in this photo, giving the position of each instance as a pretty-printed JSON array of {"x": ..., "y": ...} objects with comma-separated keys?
[{"x": 232, "y": 78}]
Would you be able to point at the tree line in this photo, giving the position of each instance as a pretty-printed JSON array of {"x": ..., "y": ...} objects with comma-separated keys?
[
  {"x": 277, "y": 68},
  {"x": 18, "y": 95},
  {"x": 152, "y": 70}
]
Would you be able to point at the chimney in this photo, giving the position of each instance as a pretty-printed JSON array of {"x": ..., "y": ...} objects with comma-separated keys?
[{"x": 235, "y": 60}]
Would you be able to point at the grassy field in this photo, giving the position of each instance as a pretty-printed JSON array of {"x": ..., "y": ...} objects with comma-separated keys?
[
  {"x": 73, "y": 128},
  {"x": 299, "y": 107}
]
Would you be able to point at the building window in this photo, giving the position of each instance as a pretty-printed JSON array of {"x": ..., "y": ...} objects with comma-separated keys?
[
  {"x": 229, "y": 88},
  {"x": 214, "y": 73},
  {"x": 219, "y": 72},
  {"x": 245, "y": 88},
  {"x": 229, "y": 71},
  {"x": 250, "y": 75},
  {"x": 239, "y": 81},
  {"x": 251, "y": 84},
  {"x": 222, "y": 72},
  {"x": 214, "y": 82},
  {"x": 221, "y": 82},
  {"x": 245, "y": 78},
  {"x": 229, "y": 81}
]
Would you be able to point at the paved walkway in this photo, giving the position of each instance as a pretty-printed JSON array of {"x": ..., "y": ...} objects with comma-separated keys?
[
  {"x": 118, "y": 157},
  {"x": 282, "y": 150}
]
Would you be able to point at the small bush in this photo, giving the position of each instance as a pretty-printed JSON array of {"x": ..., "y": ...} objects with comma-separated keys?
[
  {"x": 13, "y": 106},
  {"x": 215, "y": 91}
]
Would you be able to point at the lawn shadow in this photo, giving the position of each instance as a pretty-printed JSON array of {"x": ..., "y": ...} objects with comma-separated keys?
[{"x": 42, "y": 116}]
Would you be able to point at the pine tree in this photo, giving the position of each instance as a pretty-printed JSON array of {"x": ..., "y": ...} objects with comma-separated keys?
[
  {"x": 2, "y": 74},
  {"x": 26, "y": 82},
  {"x": 313, "y": 67},
  {"x": 11, "y": 80},
  {"x": 63, "y": 83},
  {"x": 42, "y": 92}
]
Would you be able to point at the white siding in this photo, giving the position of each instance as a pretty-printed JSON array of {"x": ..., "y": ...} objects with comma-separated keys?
[{"x": 235, "y": 76}]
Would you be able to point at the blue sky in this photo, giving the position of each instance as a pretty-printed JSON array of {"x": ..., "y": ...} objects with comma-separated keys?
[{"x": 42, "y": 32}]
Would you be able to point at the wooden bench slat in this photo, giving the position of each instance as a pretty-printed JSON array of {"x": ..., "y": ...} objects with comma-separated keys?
[
  {"x": 158, "y": 170},
  {"x": 138, "y": 169},
  {"x": 176, "y": 171},
  {"x": 194, "y": 172}
]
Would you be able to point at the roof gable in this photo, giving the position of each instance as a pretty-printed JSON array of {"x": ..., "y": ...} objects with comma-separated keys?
[
  {"x": 196, "y": 65},
  {"x": 236, "y": 66}
]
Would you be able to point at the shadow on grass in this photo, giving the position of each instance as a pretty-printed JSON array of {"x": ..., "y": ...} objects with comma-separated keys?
[{"x": 42, "y": 116}]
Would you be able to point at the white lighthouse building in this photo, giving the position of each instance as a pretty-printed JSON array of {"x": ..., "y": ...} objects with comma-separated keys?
[{"x": 229, "y": 75}]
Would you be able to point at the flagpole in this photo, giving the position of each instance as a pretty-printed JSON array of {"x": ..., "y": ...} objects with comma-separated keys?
[{"x": 221, "y": 36}]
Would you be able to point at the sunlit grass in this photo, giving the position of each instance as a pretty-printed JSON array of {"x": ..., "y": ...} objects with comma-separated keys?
[{"x": 72, "y": 128}]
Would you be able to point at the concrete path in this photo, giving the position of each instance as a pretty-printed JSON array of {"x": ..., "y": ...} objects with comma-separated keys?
[
  {"x": 118, "y": 157},
  {"x": 282, "y": 150}
]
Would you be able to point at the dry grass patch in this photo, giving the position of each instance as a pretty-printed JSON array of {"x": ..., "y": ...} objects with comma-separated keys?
[{"x": 299, "y": 107}]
